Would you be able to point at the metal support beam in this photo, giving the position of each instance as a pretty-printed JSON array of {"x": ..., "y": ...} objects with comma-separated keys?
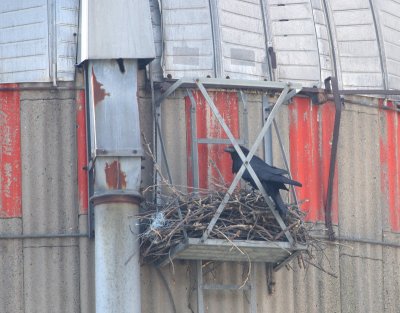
[
  {"x": 245, "y": 160},
  {"x": 283, "y": 153},
  {"x": 187, "y": 82},
  {"x": 193, "y": 136},
  {"x": 245, "y": 116},
  {"x": 266, "y": 108},
  {"x": 335, "y": 140}
]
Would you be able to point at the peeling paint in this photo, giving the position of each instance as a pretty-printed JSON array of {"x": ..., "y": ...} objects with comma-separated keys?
[
  {"x": 389, "y": 143},
  {"x": 82, "y": 162},
  {"x": 115, "y": 177},
  {"x": 310, "y": 145},
  {"x": 99, "y": 93},
  {"x": 10, "y": 153},
  {"x": 214, "y": 165}
]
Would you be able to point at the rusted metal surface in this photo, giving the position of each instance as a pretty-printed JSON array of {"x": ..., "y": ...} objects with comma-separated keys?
[
  {"x": 99, "y": 93},
  {"x": 10, "y": 154},
  {"x": 118, "y": 29},
  {"x": 115, "y": 177},
  {"x": 111, "y": 95}
]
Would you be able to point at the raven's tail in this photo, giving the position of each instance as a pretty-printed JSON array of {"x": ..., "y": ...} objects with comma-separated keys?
[
  {"x": 291, "y": 182},
  {"x": 279, "y": 204}
]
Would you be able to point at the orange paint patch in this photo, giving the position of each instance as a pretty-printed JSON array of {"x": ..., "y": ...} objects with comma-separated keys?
[
  {"x": 10, "y": 134},
  {"x": 310, "y": 134},
  {"x": 82, "y": 152},
  {"x": 390, "y": 164},
  {"x": 215, "y": 166}
]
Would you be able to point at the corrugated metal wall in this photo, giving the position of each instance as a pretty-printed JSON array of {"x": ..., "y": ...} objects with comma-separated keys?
[
  {"x": 45, "y": 273},
  {"x": 43, "y": 182},
  {"x": 358, "y": 40},
  {"x": 295, "y": 41}
]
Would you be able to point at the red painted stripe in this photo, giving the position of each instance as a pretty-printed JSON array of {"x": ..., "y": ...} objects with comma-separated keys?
[
  {"x": 304, "y": 154},
  {"x": 10, "y": 134},
  {"x": 82, "y": 152},
  {"x": 214, "y": 163},
  {"x": 390, "y": 165},
  {"x": 310, "y": 135},
  {"x": 327, "y": 123}
]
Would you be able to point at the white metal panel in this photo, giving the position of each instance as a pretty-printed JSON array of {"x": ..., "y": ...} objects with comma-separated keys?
[
  {"x": 156, "y": 69},
  {"x": 24, "y": 41},
  {"x": 295, "y": 42},
  {"x": 116, "y": 29},
  {"x": 358, "y": 50},
  {"x": 66, "y": 32},
  {"x": 389, "y": 20},
  {"x": 323, "y": 41},
  {"x": 187, "y": 35},
  {"x": 243, "y": 44}
]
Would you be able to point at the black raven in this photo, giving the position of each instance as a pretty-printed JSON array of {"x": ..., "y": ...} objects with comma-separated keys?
[{"x": 270, "y": 177}]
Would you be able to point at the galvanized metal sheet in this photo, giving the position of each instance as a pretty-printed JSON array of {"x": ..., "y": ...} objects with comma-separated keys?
[
  {"x": 358, "y": 50},
  {"x": 118, "y": 29},
  {"x": 24, "y": 44},
  {"x": 295, "y": 42},
  {"x": 187, "y": 37},
  {"x": 388, "y": 13},
  {"x": 113, "y": 106},
  {"x": 243, "y": 43},
  {"x": 66, "y": 32}
]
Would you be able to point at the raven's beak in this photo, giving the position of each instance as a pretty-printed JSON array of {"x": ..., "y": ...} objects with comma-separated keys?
[{"x": 230, "y": 149}]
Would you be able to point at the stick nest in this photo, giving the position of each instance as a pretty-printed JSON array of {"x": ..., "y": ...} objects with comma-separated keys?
[{"x": 246, "y": 217}]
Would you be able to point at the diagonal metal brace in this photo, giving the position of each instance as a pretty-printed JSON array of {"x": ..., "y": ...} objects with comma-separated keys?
[{"x": 282, "y": 98}]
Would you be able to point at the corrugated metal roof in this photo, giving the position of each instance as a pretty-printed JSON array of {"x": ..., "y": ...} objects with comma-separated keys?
[
  {"x": 388, "y": 13},
  {"x": 187, "y": 37},
  {"x": 243, "y": 44},
  {"x": 24, "y": 46},
  {"x": 358, "y": 50}
]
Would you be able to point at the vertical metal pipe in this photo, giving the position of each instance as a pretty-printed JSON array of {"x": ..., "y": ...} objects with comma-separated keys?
[
  {"x": 117, "y": 258},
  {"x": 116, "y": 166}
]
